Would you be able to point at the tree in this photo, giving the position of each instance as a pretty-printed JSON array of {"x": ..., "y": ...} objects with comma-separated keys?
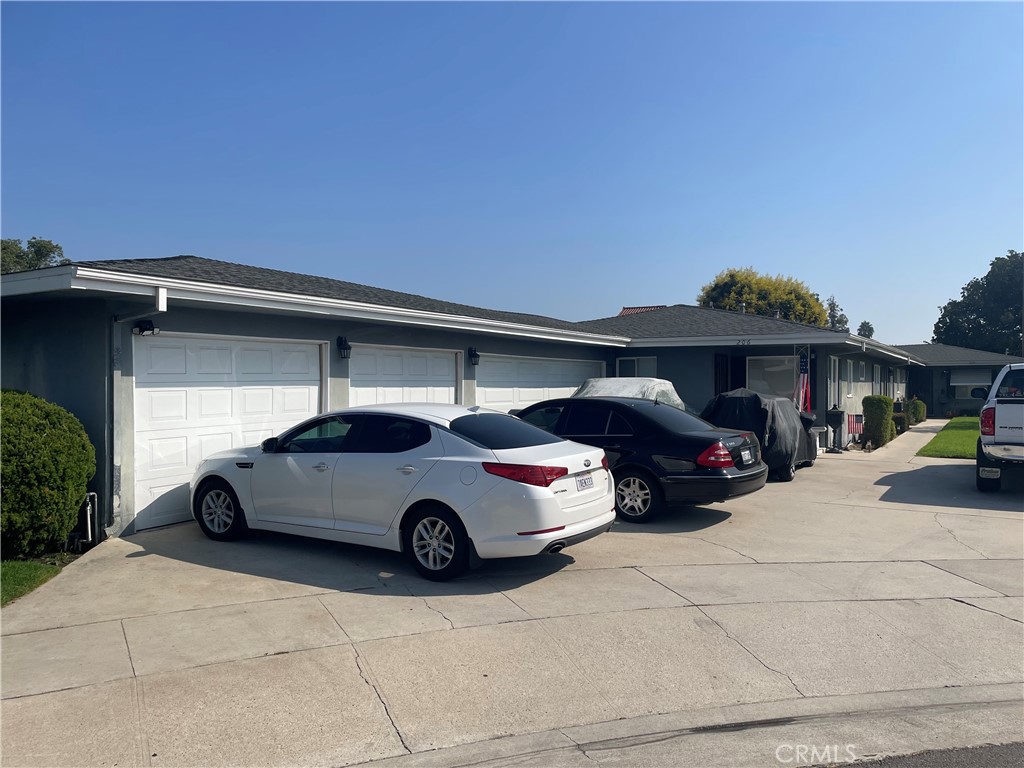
[
  {"x": 783, "y": 297},
  {"x": 35, "y": 254},
  {"x": 837, "y": 321},
  {"x": 987, "y": 316},
  {"x": 866, "y": 330}
]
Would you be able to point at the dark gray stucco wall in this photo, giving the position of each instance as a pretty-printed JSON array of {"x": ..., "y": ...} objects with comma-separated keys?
[{"x": 60, "y": 351}]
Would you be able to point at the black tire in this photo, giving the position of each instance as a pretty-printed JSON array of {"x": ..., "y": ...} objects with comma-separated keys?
[
  {"x": 435, "y": 541},
  {"x": 985, "y": 484},
  {"x": 218, "y": 512},
  {"x": 637, "y": 497},
  {"x": 785, "y": 474}
]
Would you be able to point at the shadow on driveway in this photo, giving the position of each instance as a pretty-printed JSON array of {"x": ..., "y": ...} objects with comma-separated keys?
[
  {"x": 348, "y": 567},
  {"x": 951, "y": 485}
]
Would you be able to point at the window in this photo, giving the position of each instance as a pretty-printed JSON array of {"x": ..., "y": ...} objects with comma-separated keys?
[
  {"x": 618, "y": 426},
  {"x": 772, "y": 375},
  {"x": 545, "y": 418},
  {"x": 637, "y": 366},
  {"x": 497, "y": 431},
  {"x": 587, "y": 419},
  {"x": 325, "y": 435},
  {"x": 849, "y": 377},
  {"x": 863, "y": 371},
  {"x": 390, "y": 434},
  {"x": 1012, "y": 385},
  {"x": 876, "y": 379}
]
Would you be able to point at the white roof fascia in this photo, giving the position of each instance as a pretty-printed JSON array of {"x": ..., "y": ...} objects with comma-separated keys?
[
  {"x": 37, "y": 281},
  {"x": 774, "y": 340},
  {"x": 732, "y": 341},
  {"x": 90, "y": 279}
]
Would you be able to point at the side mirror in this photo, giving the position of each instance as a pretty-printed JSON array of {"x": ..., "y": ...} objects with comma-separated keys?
[
  {"x": 980, "y": 393},
  {"x": 269, "y": 445}
]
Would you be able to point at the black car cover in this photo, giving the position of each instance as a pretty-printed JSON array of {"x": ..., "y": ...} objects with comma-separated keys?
[{"x": 782, "y": 430}]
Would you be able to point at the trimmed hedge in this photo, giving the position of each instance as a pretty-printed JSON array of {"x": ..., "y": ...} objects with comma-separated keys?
[
  {"x": 879, "y": 427},
  {"x": 46, "y": 462},
  {"x": 917, "y": 410},
  {"x": 901, "y": 421}
]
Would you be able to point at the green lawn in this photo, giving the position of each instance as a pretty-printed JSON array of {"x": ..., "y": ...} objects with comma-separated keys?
[
  {"x": 19, "y": 577},
  {"x": 957, "y": 440}
]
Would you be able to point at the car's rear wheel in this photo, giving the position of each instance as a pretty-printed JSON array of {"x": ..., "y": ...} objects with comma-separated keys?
[
  {"x": 218, "y": 512},
  {"x": 985, "y": 484},
  {"x": 436, "y": 543},
  {"x": 637, "y": 497}
]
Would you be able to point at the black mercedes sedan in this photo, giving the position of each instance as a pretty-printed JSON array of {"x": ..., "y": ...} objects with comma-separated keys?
[{"x": 658, "y": 453}]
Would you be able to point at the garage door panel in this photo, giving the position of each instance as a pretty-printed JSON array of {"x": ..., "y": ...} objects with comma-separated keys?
[
  {"x": 230, "y": 394},
  {"x": 505, "y": 383},
  {"x": 384, "y": 375}
]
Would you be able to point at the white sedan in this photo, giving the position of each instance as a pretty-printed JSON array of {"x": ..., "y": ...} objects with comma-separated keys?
[{"x": 446, "y": 484}]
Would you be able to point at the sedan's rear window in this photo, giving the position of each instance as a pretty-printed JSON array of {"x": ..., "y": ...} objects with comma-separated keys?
[
  {"x": 497, "y": 432},
  {"x": 673, "y": 419}
]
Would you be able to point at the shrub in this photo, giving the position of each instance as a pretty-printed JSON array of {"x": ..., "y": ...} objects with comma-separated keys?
[
  {"x": 879, "y": 427},
  {"x": 918, "y": 411},
  {"x": 900, "y": 420},
  {"x": 46, "y": 460}
]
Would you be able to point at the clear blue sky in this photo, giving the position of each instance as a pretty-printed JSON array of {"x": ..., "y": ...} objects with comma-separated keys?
[{"x": 561, "y": 159}]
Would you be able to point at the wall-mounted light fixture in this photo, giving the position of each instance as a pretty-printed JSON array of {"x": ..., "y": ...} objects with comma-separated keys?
[
  {"x": 145, "y": 328},
  {"x": 474, "y": 356},
  {"x": 344, "y": 348}
]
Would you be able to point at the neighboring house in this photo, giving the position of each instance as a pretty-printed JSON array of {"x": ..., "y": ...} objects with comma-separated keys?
[
  {"x": 707, "y": 351},
  {"x": 950, "y": 373},
  {"x": 168, "y": 360}
]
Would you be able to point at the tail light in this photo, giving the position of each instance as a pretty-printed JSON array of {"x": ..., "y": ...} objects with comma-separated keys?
[
  {"x": 716, "y": 455},
  {"x": 604, "y": 463},
  {"x": 526, "y": 473},
  {"x": 988, "y": 420}
]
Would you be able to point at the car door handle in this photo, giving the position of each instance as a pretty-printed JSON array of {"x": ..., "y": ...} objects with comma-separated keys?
[
  {"x": 321, "y": 467},
  {"x": 408, "y": 469},
  {"x": 613, "y": 447}
]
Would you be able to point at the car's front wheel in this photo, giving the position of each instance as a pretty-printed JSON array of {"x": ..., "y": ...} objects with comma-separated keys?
[
  {"x": 637, "y": 497},
  {"x": 436, "y": 543},
  {"x": 218, "y": 512},
  {"x": 985, "y": 484}
]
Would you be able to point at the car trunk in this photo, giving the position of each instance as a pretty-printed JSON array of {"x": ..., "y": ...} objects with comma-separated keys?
[{"x": 583, "y": 483}]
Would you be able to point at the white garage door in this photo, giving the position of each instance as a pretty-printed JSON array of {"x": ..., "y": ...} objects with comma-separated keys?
[
  {"x": 504, "y": 383},
  {"x": 198, "y": 395},
  {"x": 396, "y": 375}
]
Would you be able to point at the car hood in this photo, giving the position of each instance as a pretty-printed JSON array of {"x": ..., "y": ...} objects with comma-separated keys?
[{"x": 236, "y": 454}]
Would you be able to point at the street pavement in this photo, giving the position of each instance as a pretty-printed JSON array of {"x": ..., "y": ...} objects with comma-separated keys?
[{"x": 873, "y": 606}]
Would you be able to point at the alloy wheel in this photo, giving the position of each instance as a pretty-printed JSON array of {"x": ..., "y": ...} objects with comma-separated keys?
[
  {"x": 433, "y": 543},
  {"x": 633, "y": 496},
  {"x": 218, "y": 511}
]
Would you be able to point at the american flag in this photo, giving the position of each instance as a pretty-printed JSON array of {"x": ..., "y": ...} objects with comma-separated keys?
[
  {"x": 855, "y": 423},
  {"x": 802, "y": 396}
]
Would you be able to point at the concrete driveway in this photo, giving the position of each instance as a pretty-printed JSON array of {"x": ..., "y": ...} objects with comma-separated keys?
[{"x": 872, "y": 606}]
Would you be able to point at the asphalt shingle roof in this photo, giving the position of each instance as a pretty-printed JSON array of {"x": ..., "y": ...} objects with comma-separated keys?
[
  {"x": 686, "y": 320},
  {"x": 198, "y": 269},
  {"x": 946, "y": 354}
]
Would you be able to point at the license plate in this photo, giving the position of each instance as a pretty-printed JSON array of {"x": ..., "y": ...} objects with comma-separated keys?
[
  {"x": 746, "y": 455},
  {"x": 584, "y": 481}
]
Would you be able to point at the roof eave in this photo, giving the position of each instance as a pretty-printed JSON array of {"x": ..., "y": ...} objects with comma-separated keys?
[{"x": 90, "y": 279}]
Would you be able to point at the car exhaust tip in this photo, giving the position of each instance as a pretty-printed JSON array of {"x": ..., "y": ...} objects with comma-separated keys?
[{"x": 555, "y": 548}]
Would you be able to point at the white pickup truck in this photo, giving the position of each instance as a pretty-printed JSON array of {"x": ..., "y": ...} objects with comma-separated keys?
[{"x": 1001, "y": 443}]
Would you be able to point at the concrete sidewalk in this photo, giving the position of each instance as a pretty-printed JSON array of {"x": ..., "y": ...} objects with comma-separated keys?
[{"x": 874, "y": 604}]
